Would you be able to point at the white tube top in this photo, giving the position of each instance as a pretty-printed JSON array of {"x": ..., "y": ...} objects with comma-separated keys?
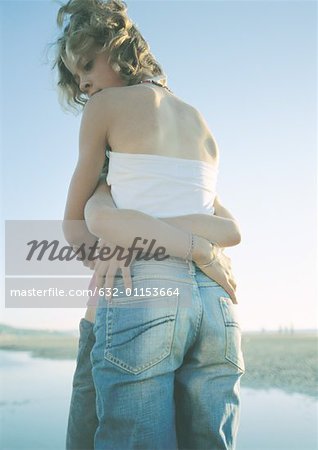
[{"x": 161, "y": 186}]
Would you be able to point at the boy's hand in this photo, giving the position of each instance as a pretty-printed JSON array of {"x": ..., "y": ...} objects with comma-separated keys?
[
  {"x": 105, "y": 271},
  {"x": 221, "y": 272},
  {"x": 90, "y": 263}
]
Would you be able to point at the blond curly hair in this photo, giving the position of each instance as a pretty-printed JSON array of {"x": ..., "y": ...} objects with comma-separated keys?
[{"x": 97, "y": 26}]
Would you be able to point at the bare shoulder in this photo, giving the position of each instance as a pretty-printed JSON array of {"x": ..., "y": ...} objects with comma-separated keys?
[
  {"x": 99, "y": 109},
  {"x": 114, "y": 100},
  {"x": 99, "y": 101}
]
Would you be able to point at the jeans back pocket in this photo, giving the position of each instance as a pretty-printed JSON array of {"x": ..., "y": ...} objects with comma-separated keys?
[
  {"x": 233, "y": 350},
  {"x": 140, "y": 330}
]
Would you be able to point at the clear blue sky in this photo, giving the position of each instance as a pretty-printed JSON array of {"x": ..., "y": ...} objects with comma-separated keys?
[{"x": 250, "y": 68}]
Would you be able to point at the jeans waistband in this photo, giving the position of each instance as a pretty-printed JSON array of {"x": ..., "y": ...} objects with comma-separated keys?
[{"x": 170, "y": 266}]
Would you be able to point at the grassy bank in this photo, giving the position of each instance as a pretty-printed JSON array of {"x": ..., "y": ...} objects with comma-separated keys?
[
  {"x": 273, "y": 360},
  {"x": 284, "y": 361},
  {"x": 41, "y": 344}
]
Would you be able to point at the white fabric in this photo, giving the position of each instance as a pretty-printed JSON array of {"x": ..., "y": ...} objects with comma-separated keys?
[{"x": 162, "y": 186}]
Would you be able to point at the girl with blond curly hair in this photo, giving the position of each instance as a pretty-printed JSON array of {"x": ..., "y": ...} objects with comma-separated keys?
[{"x": 160, "y": 363}]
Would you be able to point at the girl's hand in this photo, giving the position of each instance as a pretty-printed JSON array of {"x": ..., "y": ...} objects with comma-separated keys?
[
  {"x": 105, "y": 271},
  {"x": 221, "y": 272}
]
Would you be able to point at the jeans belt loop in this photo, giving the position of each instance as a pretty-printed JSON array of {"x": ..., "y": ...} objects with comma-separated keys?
[{"x": 191, "y": 267}]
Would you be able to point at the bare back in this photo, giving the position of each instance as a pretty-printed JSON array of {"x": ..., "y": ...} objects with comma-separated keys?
[{"x": 149, "y": 119}]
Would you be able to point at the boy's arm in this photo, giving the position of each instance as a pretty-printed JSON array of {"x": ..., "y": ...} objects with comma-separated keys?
[
  {"x": 123, "y": 226},
  {"x": 220, "y": 228}
]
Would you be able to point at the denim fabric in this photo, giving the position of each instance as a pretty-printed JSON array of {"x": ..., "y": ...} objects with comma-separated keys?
[
  {"x": 167, "y": 368},
  {"x": 82, "y": 420}
]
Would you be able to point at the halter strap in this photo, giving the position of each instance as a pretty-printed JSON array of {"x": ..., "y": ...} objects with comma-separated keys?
[{"x": 156, "y": 83}]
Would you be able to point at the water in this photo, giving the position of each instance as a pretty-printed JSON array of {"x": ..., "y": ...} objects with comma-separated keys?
[
  {"x": 35, "y": 399},
  {"x": 36, "y": 395},
  {"x": 274, "y": 420}
]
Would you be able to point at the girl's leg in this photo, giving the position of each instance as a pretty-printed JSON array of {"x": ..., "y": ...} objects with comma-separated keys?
[
  {"x": 207, "y": 384},
  {"x": 82, "y": 421}
]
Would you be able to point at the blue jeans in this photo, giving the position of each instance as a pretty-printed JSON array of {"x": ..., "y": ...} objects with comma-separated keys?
[
  {"x": 166, "y": 364},
  {"x": 82, "y": 419}
]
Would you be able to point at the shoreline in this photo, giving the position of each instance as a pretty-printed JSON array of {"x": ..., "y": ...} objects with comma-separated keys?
[{"x": 273, "y": 360}]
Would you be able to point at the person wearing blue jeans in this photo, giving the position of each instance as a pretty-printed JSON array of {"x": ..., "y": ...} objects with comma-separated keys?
[
  {"x": 185, "y": 392},
  {"x": 167, "y": 367}
]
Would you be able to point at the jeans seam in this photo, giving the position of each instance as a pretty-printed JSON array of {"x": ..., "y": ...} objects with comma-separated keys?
[
  {"x": 199, "y": 317},
  {"x": 228, "y": 327}
]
